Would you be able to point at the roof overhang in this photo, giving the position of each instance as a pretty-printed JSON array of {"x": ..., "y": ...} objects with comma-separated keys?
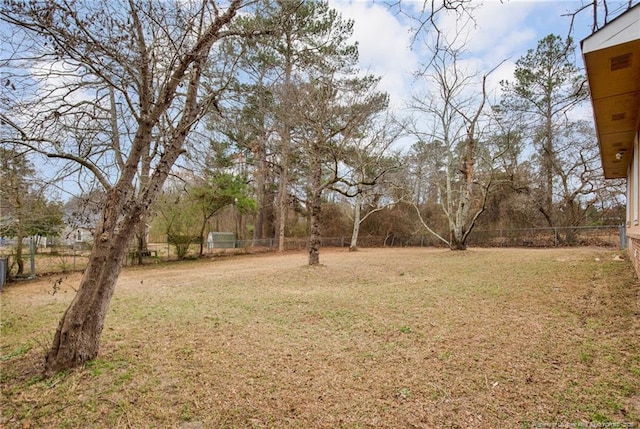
[{"x": 612, "y": 60}]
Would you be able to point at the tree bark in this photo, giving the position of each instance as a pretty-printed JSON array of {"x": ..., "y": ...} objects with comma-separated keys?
[
  {"x": 457, "y": 242},
  {"x": 547, "y": 162},
  {"x": 283, "y": 195},
  {"x": 19, "y": 247},
  {"x": 356, "y": 223},
  {"x": 283, "y": 191},
  {"x": 315, "y": 237},
  {"x": 77, "y": 338},
  {"x": 201, "y": 238},
  {"x": 141, "y": 230},
  {"x": 260, "y": 218}
]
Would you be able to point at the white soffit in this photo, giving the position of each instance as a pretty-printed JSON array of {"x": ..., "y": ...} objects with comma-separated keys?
[{"x": 625, "y": 28}]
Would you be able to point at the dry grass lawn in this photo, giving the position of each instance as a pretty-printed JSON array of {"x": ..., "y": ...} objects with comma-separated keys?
[{"x": 380, "y": 338}]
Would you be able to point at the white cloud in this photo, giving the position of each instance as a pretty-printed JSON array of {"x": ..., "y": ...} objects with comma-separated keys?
[
  {"x": 384, "y": 46},
  {"x": 501, "y": 32}
]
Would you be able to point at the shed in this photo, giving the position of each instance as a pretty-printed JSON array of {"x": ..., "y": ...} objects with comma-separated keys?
[{"x": 221, "y": 240}]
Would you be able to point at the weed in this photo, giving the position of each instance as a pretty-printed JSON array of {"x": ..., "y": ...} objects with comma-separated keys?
[
  {"x": 406, "y": 329},
  {"x": 446, "y": 355},
  {"x": 187, "y": 351},
  {"x": 404, "y": 393},
  {"x": 186, "y": 413},
  {"x": 20, "y": 351},
  {"x": 585, "y": 357},
  {"x": 599, "y": 418}
]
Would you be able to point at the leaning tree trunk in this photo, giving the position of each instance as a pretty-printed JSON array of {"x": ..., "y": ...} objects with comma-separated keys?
[{"x": 77, "y": 338}]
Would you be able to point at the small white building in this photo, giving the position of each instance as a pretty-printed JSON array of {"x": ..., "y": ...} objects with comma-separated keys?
[{"x": 221, "y": 240}]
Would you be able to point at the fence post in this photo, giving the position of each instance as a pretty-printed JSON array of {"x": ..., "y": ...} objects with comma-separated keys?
[
  {"x": 4, "y": 267},
  {"x": 32, "y": 251},
  {"x": 623, "y": 236}
]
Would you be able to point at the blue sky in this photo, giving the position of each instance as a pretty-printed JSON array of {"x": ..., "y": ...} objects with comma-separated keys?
[{"x": 503, "y": 32}]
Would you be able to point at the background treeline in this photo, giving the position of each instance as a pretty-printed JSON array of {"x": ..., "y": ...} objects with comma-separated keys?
[{"x": 298, "y": 142}]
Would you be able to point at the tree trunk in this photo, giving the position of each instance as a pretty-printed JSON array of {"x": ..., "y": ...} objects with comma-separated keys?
[
  {"x": 201, "y": 237},
  {"x": 262, "y": 226},
  {"x": 77, "y": 338},
  {"x": 457, "y": 241},
  {"x": 283, "y": 195},
  {"x": 315, "y": 237},
  {"x": 547, "y": 162},
  {"x": 141, "y": 235},
  {"x": 282, "y": 210},
  {"x": 141, "y": 230},
  {"x": 356, "y": 224},
  {"x": 19, "y": 247},
  {"x": 259, "y": 218}
]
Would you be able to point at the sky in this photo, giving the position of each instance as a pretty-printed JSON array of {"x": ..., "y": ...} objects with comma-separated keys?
[{"x": 503, "y": 32}]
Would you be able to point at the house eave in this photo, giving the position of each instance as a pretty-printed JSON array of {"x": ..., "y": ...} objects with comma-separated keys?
[{"x": 612, "y": 61}]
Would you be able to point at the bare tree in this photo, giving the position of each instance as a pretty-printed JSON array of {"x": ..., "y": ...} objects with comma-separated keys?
[
  {"x": 426, "y": 13},
  {"x": 450, "y": 122},
  {"x": 601, "y": 12},
  {"x": 114, "y": 87},
  {"x": 369, "y": 164},
  {"x": 579, "y": 185}
]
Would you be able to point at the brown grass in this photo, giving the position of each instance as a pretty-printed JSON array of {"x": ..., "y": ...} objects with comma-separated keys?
[{"x": 380, "y": 338}]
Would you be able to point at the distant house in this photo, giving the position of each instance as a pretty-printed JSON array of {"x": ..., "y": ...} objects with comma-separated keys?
[
  {"x": 80, "y": 216},
  {"x": 612, "y": 59},
  {"x": 74, "y": 235}
]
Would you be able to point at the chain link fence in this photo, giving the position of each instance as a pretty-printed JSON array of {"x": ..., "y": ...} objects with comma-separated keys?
[{"x": 62, "y": 259}]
